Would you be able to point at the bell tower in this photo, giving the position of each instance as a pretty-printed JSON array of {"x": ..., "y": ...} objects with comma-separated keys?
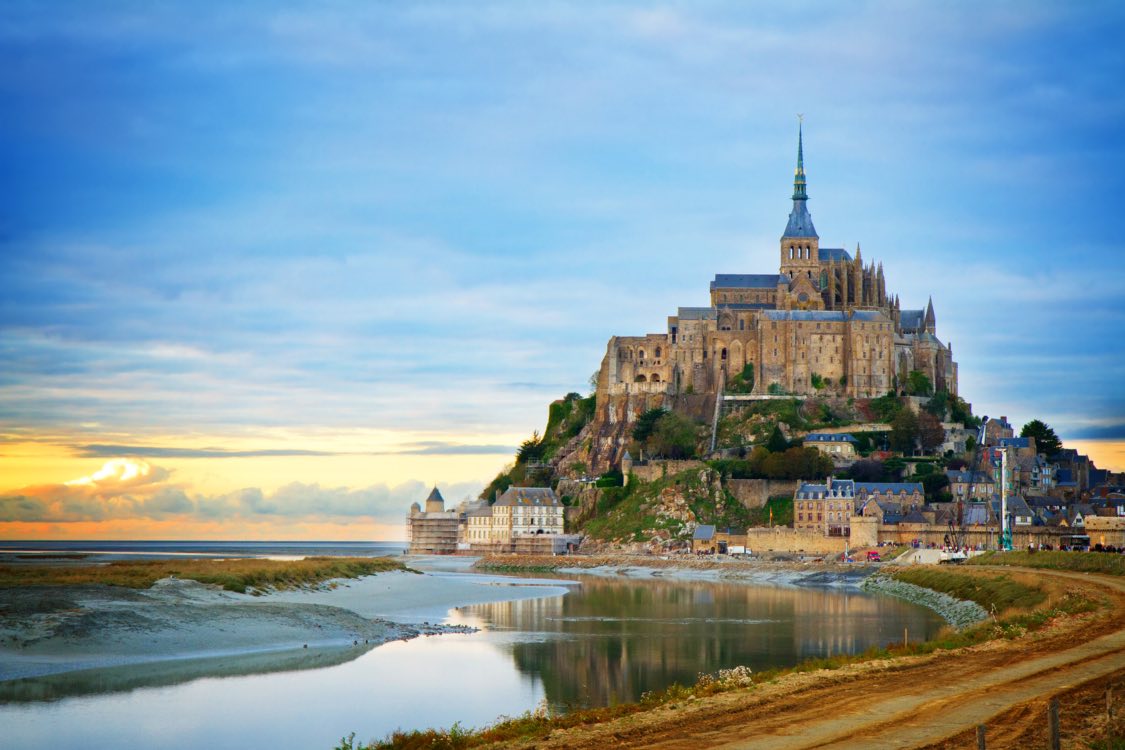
[{"x": 800, "y": 245}]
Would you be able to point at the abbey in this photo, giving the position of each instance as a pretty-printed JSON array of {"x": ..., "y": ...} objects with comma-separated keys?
[{"x": 824, "y": 324}]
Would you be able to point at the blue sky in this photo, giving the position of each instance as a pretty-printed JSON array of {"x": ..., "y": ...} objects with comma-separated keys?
[{"x": 223, "y": 224}]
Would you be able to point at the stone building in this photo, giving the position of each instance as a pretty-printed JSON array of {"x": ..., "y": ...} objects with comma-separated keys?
[
  {"x": 518, "y": 513},
  {"x": 837, "y": 446},
  {"x": 825, "y": 508},
  {"x": 433, "y": 531},
  {"x": 825, "y": 324}
]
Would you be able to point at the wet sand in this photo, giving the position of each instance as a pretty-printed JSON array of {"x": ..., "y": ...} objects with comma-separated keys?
[{"x": 179, "y": 623}]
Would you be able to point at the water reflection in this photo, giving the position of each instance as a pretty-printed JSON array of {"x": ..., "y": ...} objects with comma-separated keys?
[{"x": 609, "y": 641}]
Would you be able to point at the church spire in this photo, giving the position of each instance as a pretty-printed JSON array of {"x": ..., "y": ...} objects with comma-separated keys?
[
  {"x": 799, "y": 185},
  {"x": 800, "y": 222}
]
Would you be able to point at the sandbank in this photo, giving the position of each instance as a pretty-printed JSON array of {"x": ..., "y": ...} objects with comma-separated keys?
[{"x": 185, "y": 626}]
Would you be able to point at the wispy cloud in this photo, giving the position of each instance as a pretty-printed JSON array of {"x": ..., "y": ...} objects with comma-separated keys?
[{"x": 134, "y": 489}]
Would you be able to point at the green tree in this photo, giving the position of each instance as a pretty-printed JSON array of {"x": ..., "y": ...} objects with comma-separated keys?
[
  {"x": 930, "y": 432},
  {"x": 917, "y": 384},
  {"x": 1046, "y": 440},
  {"x": 933, "y": 484},
  {"x": 777, "y": 442},
  {"x": 938, "y": 404},
  {"x": 646, "y": 423},
  {"x": 904, "y": 431},
  {"x": 673, "y": 436},
  {"x": 531, "y": 450},
  {"x": 892, "y": 469},
  {"x": 886, "y": 408}
]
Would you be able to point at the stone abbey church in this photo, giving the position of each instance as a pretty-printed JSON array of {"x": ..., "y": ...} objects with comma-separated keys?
[{"x": 824, "y": 319}]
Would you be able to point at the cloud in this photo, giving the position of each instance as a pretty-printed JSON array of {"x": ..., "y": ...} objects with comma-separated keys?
[
  {"x": 437, "y": 448},
  {"x": 100, "y": 450},
  {"x": 423, "y": 448},
  {"x": 133, "y": 489}
]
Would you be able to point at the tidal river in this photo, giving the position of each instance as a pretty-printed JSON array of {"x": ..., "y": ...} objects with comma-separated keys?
[{"x": 606, "y": 640}]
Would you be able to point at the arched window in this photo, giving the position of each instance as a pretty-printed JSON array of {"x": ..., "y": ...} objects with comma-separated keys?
[
  {"x": 657, "y": 355},
  {"x": 724, "y": 355},
  {"x": 641, "y": 354},
  {"x": 656, "y": 377},
  {"x": 639, "y": 379}
]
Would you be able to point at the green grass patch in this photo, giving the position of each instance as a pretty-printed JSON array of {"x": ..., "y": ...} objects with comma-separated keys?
[
  {"x": 1082, "y": 562},
  {"x": 995, "y": 593},
  {"x": 241, "y": 575}
]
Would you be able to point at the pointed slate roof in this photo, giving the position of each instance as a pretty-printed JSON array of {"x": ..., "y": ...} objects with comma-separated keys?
[
  {"x": 800, "y": 222},
  {"x": 435, "y": 495}
]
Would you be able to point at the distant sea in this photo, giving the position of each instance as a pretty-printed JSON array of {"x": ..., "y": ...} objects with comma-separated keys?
[{"x": 96, "y": 551}]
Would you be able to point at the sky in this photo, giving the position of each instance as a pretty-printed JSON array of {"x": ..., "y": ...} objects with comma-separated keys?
[{"x": 271, "y": 270}]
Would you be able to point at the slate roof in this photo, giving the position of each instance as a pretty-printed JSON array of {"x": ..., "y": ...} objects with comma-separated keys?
[
  {"x": 1017, "y": 506},
  {"x": 836, "y": 316},
  {"x": 965, "y": 476},
  {"x": 800, "y": 222},
  {"x": 746, "y": 305},
  {"x": 704, "y": 533},
  {"x": 885, "y": 487},
  {"x": 976, "y": 515},
  {"x": 745, "y": 281},
  {"x": 828, "y": 437},
  {"x": 911, "y": 320},
  {"x": 832, "y": 253},
  {"x": 840, "y": 489},
  {"x": 1015, "y": 442},
  {"x": 435, "y": 495},
  {"x": 529, "y": 496},
  {"x": 696, "y": 313},
  {"x": 914, "y": 516}
]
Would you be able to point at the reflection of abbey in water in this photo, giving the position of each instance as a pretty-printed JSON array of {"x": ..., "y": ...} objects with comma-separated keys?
[{"x": 610, "y": 641}]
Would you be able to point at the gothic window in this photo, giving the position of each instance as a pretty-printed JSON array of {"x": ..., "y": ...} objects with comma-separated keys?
[
  {"x": 741, "y": 325},
  {"x": 657, "y": 355},
  {"x": 641, "y": 354},
  {"x": 724, "y": 354}
]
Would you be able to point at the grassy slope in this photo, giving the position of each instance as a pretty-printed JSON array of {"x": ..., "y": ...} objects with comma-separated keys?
[
  {"x": 232, "y": 575},
  {"x": 1000, "y": 591},
  {"x": 631, "y": 513},
  {"x": 1082, "y": 562}
]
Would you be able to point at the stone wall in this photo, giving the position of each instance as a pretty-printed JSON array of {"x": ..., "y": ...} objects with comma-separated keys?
[
  {"x": 785, "y": 539},
  {"x": 651, "y": 471},
  {"x": 753, "y": 493}
]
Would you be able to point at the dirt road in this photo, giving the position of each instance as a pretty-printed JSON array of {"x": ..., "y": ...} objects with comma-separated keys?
[{"x": 909, "y": 703}]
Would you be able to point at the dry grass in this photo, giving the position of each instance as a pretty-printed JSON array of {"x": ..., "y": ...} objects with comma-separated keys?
[
  {"x": 1108, "y": 563},
  {"x": 241, "y": 575}
]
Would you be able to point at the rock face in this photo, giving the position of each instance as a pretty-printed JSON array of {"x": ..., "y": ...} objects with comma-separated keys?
[{"x": 601, "y": 443}]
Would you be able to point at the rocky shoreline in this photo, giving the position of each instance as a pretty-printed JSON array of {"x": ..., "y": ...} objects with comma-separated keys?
[{"x": 956, "y": 612}]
